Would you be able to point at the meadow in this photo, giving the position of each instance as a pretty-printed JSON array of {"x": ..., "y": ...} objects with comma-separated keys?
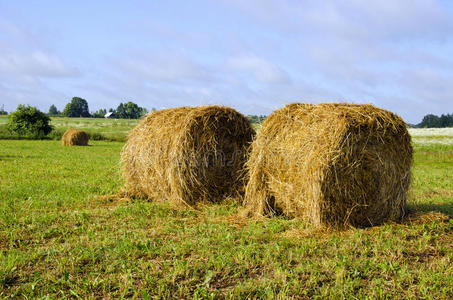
[
  {"x": 97, "y": 129},
  {"x": 63, "y": 234}
]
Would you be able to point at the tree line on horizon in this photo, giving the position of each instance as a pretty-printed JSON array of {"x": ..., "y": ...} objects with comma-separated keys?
[
  {"x": 78, "y": 108},
  {"x": 433, "y": 121}
]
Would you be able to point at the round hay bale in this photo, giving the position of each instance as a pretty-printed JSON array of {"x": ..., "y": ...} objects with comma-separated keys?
[
  {"x": 333, "y": 165},
  {"x": 187, "y": 155},
  {"x": 74, "y": 137}
]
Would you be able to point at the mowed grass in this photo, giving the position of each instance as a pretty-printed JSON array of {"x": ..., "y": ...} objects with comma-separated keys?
[{"x": 59, "y": 238}]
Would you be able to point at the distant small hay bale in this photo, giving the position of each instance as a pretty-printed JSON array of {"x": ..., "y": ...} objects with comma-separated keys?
[
  {"x": 187, "y": 155},
  {"x": 334, "y": 165},
  {"x": 74, "y": 137}
]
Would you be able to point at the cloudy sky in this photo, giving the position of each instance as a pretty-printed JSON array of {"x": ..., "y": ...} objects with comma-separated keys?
[{"x": 253, "y": 55}]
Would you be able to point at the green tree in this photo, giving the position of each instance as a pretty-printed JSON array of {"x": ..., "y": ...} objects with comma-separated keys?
[
  {"x": 130, "y": 110},
  {"x": 120, "y": 111},
  {"x": 446, "y": 120},
  {"x": 3, "y": 111},
  {"x": 29, "y": 121},
  {"x": 256, "y": 119},
  {"x": 78, "y": 107},
  {"x": 53, "y": 111},
  {"x": 430, "y": 121},
  {"x": 100, "y": 113}
]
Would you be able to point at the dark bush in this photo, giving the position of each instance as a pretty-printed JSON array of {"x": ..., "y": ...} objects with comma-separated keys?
[{"x": 28, "y": 121}]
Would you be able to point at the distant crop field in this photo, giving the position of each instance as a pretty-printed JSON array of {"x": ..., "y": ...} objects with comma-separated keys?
[
  {"x": 432, "y": 135},
  {"x": 62, "y": 235}
]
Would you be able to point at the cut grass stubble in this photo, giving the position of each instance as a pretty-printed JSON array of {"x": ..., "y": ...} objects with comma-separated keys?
[{"x": 58, "y": 238}]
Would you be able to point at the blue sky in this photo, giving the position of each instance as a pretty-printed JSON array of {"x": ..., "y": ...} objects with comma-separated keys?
[{"x": 253, "y": 55}]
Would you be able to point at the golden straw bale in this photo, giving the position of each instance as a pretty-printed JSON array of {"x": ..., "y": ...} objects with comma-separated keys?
[
  {"x": 74, "y": 137},
  {"x": 187, "y": 155},
  {"x": 332, "y": 164}
]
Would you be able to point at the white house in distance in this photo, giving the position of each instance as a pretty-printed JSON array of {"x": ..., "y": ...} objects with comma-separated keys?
[{"x": 109, "y": 115}]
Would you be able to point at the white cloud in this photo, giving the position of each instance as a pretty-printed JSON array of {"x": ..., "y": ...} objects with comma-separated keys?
[
  {"x": 37, "y": 63},
  {"x": 261, "y": 69},
  {"x": 351, "y": 19},
  {"x": 173, "y": 66},
  {"x": 26, "y": 52},
  {"x": 256, "y": 55},
  {"x": 402, "y": 19}
]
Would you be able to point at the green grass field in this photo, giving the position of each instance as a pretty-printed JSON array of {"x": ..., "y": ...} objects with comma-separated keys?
[
  {"x": 98, "y": 129},
  {"x": 60, "y": 238}
]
